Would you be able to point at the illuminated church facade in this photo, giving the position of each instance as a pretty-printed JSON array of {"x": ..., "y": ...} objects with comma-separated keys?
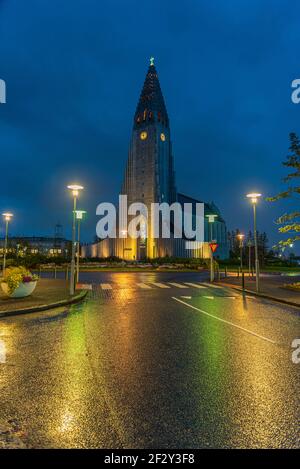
[{"x": 150, "y": 177}]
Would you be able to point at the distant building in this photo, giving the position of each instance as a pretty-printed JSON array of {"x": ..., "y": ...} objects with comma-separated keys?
[
  {"x": 45, "y": 245},
  {"x": 149, "y": 178}
]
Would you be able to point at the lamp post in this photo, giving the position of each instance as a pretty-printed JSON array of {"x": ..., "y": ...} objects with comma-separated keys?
[
  {"x": 79, "y": 217},
  {"x": 75, "y": 188},
  {"x": 254, "y": 199},
  {"x": 249, "y": 253},
  {"x": 211, "y": 219},
  {"x": 241, "y": 238},
  {"x": 7, "y": 217}
]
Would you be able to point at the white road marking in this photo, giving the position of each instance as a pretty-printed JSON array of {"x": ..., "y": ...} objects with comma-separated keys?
[
  {"x": 178, "y": 285},
  {"x": 208, "y": 297},
  {"x": 224, "y": 320},
  {"x": 143, "y": 285},
  {"x": 106, "y": 286},
  {"x": 186, "y": 297},
  {"x": 195, "y": 285},
  {"x": 160, "y": 285},
  {"x": 84, "y": 286},
  {"x": 211, "y": 285},
  {"x": 2, "y": 352}
]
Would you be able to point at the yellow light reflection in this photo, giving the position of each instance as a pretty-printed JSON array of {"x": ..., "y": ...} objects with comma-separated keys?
[
  {"x": 67, "y": 421},
  {"x": 2, "y": 351}
]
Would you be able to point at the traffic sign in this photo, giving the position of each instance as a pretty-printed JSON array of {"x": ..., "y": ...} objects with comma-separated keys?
[{"x": 213, "y": 246}]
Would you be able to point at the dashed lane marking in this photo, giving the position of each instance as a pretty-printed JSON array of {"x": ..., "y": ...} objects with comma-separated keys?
[{"x": 224, "y": 320}]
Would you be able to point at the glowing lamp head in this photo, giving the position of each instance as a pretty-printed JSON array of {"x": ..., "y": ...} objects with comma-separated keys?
[
  {"x": 253, "y": 196},
  {"x": 7, "y": 216},
  {"x": 75, "y": 188},
  {"x": 79, "y": 214},
  {"x": 241, "y": 236},
  {"x": 211, "y": 218}
]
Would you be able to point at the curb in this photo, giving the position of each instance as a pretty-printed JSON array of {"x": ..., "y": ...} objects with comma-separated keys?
[
  {"x": 261, "y": 295},
  {"x": 36, "y": 309}
]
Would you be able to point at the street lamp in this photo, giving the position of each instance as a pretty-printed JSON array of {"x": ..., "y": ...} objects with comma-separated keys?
[
  {"x": 241, "y": 236},
  {"x": 7, "y": 217},
  {"x": 254, "y": 199},
  {"x": 211, "y": 219},
  {"x": 75, "y": 188},
  {"x": 79, "y": 217}
]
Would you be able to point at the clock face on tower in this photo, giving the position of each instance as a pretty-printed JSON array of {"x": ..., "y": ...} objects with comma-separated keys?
[
  {"x": 162, "y": 137},
  {"x": 143, "y": 135}
]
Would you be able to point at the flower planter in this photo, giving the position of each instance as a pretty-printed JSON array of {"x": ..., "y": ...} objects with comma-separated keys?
[{"x": 23, "y": 290}]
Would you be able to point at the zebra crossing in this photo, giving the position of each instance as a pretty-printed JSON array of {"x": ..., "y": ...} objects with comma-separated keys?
[
  {"x": 210, "y": 290},
  {"x": 155, "y": 285}
]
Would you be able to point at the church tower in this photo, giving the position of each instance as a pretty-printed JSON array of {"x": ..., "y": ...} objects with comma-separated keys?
[
  {"x": 150, "y": 178},
  {"x": 149, "y": 175}
]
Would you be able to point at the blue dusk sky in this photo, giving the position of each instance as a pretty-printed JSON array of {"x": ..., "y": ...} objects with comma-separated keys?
[{"x": 74, "y": 71}]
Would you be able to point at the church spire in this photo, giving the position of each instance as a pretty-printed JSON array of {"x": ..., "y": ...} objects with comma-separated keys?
[{"x": 151, "y": 106}]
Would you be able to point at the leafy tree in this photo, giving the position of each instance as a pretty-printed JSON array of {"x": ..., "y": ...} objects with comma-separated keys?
[
  {"x": 262, "y": 245},
  {"x": 290, "y": 222},
  {"x": 234, "y": 243}
]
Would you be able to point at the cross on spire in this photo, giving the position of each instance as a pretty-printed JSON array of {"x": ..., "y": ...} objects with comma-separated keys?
[{"x": 152, "y": 61}]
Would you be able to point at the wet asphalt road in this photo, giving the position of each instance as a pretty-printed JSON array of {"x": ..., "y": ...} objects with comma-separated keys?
[{"x": 141, "y": 365}]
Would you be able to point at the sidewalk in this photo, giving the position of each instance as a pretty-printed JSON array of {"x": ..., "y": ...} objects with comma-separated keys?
[
  {"x": 271, "y": 287},
  {"x": 48, "y": 294}
]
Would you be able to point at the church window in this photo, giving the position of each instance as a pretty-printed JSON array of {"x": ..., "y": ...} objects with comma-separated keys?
[{"x": 145, "y": 115}]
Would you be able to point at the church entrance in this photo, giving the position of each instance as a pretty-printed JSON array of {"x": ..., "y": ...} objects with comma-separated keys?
[{"x": 142, "y": 249}]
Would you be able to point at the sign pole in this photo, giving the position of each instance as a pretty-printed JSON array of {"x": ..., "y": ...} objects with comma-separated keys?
[
  {"x": 213, "y": 247},
  {"x": 212, "y": 274}
]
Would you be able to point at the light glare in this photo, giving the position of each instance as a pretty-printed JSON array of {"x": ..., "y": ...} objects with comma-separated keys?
[{"x": 7, "y": 216}]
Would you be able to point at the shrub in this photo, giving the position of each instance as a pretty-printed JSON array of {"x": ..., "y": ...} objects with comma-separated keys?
[{"x": 14, "y": 276}]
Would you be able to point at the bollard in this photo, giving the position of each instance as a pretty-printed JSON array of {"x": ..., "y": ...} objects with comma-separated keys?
[
  {"x": 243, "y": 281},
  {"x": 67, "y": 273},
  {"x": 55, "y": 272},
  {"x": 225, "y": 272}
]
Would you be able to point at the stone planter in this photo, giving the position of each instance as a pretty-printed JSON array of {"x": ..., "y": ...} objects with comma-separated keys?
[{"x": 23, "y": 290}]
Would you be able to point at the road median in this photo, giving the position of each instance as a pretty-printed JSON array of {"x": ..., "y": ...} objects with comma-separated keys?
[{"x": 49, "y": 294}]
